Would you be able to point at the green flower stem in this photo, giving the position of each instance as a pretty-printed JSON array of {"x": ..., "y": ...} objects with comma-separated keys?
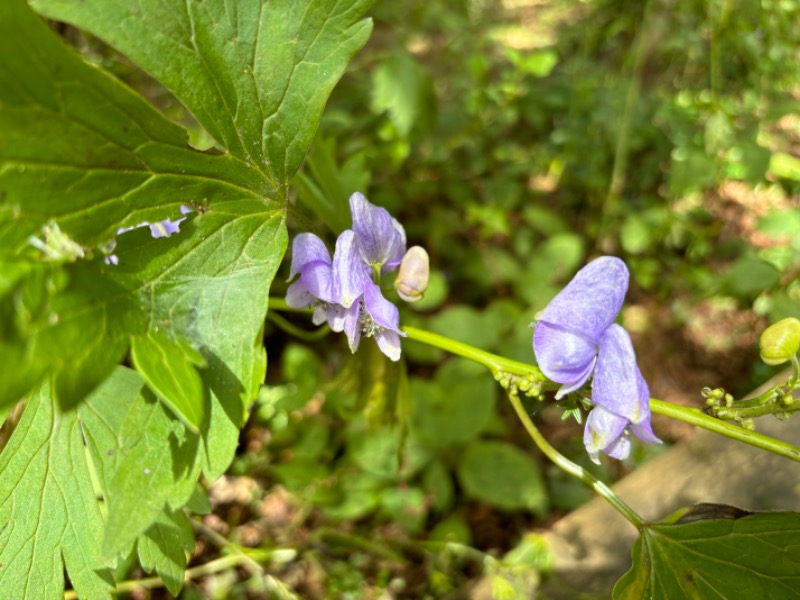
[
  {"x": 280, "y": 304},
  {"x": 499, "y": 365},
  {"x": 570, "y": 467},
  {"x": 496, "y": 364},
  {"x": 751, "y": 412},
  {"x": 293, "y": 330},
  {"x": 695, "y": 416}
]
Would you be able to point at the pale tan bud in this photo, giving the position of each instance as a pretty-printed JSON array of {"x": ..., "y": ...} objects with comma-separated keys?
[{"x": 412, "y": 279}]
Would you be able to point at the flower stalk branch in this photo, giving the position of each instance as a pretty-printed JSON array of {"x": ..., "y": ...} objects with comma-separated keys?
[
  {"x": 570, "y": 467},
  {"x": 498, "y": 365}
]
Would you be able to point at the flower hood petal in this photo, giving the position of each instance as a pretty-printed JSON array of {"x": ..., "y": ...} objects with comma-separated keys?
[
  {"x": 307, "y": 248},
  {"x": 563, "y": 355},
  {"x": 618, "y": 384},
  {"x": 381, "y": 240},
  {"x": 591, "y": 301}
]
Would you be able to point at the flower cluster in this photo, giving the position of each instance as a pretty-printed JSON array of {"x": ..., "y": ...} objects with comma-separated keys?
[
  {"x": 576, "y": 336},
  {"x": 342, "y": 289}
]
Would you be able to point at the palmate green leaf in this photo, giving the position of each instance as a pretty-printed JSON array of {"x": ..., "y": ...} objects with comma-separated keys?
[
  {"x": 255, "y": 74},
  {"x": 82, "y": 155},
  {"x": 144, "y": 462},
  {"x": 80, "y": 149},
  {"x": 715, "y": 551},
  {"x": 49, "y": 515}
]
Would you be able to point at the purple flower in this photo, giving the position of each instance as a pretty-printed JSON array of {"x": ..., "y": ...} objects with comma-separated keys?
[
  {"x": 343, "y": 290},
  {"x": 380, "y": 239},
  {"x": 167, "y": 227},
  {"x": 161, "y": 229},
  {"x": 576, "y": 336},
  {"x": 315, "y": 288}
]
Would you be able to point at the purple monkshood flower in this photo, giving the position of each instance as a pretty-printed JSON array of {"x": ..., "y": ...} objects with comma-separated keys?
[
  {"x": 161, "y": 229},
  {"x": 576, "y": 336},
  {"x": 342, "y": 290}
]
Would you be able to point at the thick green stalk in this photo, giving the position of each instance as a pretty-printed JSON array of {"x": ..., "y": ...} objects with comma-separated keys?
[{"x": 499, "y": 365}]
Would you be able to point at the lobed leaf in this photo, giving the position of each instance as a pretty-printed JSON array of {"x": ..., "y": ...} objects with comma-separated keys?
[
  {"x": 163, "y": 548},
  {"x": 255, "y": 74},
  {"x": 49, "y": 515},
  {"x": 716, "y": 552}
]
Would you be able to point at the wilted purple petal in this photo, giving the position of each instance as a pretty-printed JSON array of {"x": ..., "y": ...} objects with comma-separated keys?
[
  {"x": 618, "y": 384},
  {"x": 563, "y": 355},
  {"x": 381, "y": 240},
  {"x": 350, "y": 273},
  {"x": 603, "y": 430},
  {"x": 591, "y": 301},
  {"x": 307, "y": 248}
]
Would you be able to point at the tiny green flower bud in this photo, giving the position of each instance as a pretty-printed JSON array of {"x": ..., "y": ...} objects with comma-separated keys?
[
  {"x": 780, "y": 341},
  {"x": 412, "y": 279}
]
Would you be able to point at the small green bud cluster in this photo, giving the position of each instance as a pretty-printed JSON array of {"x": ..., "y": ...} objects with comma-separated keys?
[{"x": 528, "y": 385}]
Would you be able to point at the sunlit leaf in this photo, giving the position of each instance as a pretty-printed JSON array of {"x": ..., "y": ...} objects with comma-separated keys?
[{"x": 49, "y": 516}]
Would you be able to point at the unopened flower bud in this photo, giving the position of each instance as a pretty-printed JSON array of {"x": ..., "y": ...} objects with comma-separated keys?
[
  {"x": 780, "y": 341},
  {"x": 412, "y": 279}
]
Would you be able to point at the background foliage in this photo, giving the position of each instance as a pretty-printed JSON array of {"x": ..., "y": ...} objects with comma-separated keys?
[{"x": 514, "y": 140}]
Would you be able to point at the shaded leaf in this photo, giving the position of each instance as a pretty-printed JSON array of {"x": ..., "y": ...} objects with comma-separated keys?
[
  {"x": 503, "y": 476},
  {"x": 144, "y": 456},
  {"x": 163, "y": 548},
  {"x": 716, "y": 552},
  {"x": 170, "y": 373}
]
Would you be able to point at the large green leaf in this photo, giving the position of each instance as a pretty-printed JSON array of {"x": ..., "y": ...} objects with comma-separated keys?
[
  {"x": 81, "y": 149},
  {"x": 144, "y": 461},
  {"x": 716, "y": 551},
  {"x": 255, "y": 74},
  {"x": 48, "y": 511},
  {"x": 81, "y": 155}
]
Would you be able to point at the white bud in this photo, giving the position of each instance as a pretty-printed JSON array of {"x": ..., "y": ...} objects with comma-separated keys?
[{"x": 412, "y": 279}]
